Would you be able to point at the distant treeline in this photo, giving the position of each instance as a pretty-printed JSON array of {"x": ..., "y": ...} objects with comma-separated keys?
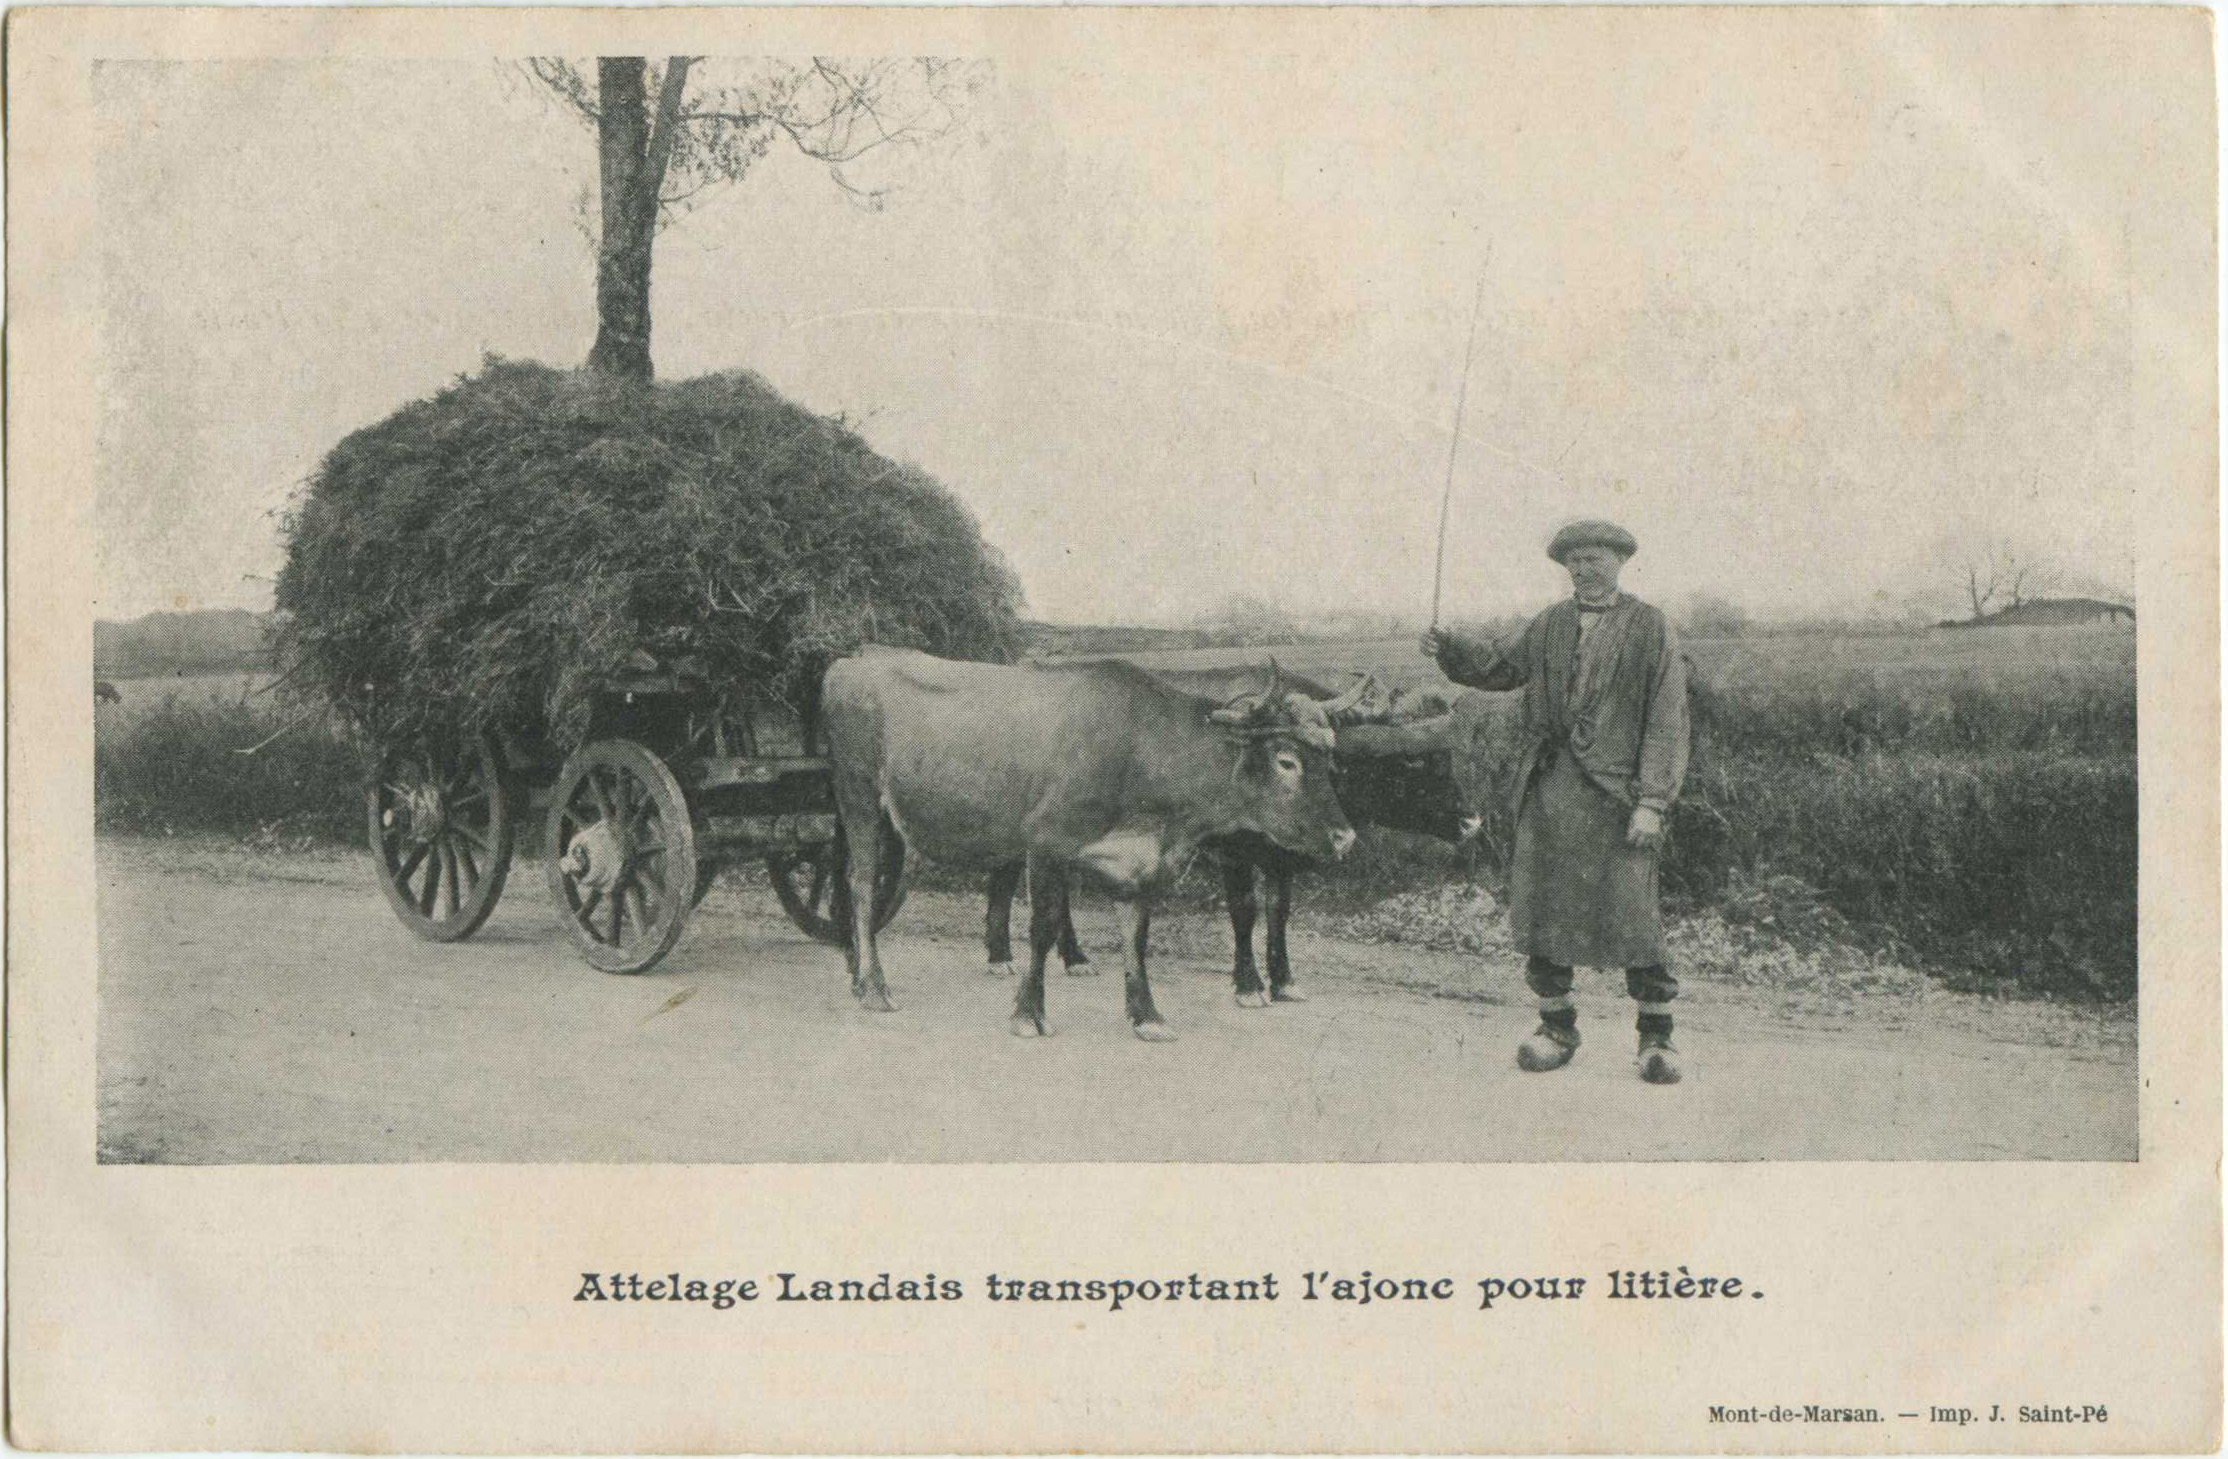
[
  {"x": 211, "y": 641},
  {"x": 231, "y": 640}
]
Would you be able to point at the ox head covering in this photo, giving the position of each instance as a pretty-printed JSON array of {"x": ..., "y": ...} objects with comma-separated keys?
[{"x": 1592, "y": 532}]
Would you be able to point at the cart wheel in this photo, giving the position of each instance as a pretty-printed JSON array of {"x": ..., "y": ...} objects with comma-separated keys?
[
  {"x": 440, "y": 833},
  {"x": 809, "y": 885},
  {"x": 622, "y": 855}
]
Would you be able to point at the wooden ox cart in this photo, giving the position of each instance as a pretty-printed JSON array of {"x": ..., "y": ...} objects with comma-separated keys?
[{"x": 676, "y": 779}]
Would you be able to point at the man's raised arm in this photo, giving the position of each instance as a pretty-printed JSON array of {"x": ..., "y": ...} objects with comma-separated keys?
[{"x": 1469, "y": 661}]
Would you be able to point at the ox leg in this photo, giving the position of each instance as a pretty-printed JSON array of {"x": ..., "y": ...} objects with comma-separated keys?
[
  {"x": 997, "y": 922},
  {"x": 1137, "y": 990},
  {"x": 1238, "y": 894},
  {"x": 1281, "y": 987},
  {"x": 865, "y": 854},
  {"x": 839, "y": 912},
  {"x": 1048, "y": 905},
  {"x": 1071, "y": 951}
]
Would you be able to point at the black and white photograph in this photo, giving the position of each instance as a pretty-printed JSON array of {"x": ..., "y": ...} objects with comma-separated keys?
[
  {"x": 1166, "y": 591},
  {"x": 812, "y": 546}
]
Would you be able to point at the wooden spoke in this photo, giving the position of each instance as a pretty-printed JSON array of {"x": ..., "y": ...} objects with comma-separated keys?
[{"x": 410, "y": 864}]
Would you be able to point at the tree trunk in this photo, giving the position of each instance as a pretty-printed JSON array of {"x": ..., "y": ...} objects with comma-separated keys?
[
  {"x": 622, "y": 347},
  {"x": 635, "y": 149}
]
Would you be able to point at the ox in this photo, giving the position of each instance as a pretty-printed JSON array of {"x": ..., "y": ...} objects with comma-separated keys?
[
  {"x": 1228, "y": 686},
  {"x": 1097, "y": 767},
  {"x": 1440, "y": 776},
  {"x": 106, "y": 693}
]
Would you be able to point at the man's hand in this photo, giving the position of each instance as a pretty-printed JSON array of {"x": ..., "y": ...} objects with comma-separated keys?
[
  {"x": 1646, "y": 831},
  {"x": 1433, "y": 643}
]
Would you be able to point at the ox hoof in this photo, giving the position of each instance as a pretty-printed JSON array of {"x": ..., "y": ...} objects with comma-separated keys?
[
  {"x": 877, "y": 1000},
  {"x": 1024, "y": 1027},
  {"x": 1083, "y": 968},
  {"x": 1254, "y": 999},
  {"x": 1000, "y": 970},
  {"x": 1155, "y": 1032},
  {"x": 1289, "y": 993}
]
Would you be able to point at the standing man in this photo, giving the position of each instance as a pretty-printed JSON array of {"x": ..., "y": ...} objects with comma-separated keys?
[{"x": 1605, "y": 721}]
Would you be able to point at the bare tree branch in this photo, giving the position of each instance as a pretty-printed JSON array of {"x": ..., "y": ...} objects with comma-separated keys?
[
  {"x": 657, "y": 158},
  {"x": 1998, "y": 574},
  {"x": 568, "y": 83}
]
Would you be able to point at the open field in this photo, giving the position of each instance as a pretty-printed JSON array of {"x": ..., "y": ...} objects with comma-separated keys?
[
  {"x": 2014, "y": 659},
  {"x": 144, "y": 694}
]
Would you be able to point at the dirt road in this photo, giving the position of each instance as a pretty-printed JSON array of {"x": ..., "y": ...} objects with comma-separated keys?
[{"x": 262, "y": 1008}]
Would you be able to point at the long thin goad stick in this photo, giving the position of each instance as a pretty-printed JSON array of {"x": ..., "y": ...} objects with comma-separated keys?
[{"x": 1454, "y": 443}]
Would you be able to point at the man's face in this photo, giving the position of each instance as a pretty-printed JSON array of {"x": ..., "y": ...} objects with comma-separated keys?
[{"x": 1593, "y": 571}]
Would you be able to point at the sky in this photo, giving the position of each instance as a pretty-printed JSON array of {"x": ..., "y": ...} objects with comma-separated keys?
[{"x": 1807, "y": 310}]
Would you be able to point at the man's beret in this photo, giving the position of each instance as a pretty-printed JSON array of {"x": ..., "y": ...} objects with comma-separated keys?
[{"x": 1591, "y": 532}]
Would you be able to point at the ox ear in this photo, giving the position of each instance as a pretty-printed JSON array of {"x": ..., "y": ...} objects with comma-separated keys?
[
  {"x": 1231, "y": 715},
  {"x": 1345, "y": 704}
]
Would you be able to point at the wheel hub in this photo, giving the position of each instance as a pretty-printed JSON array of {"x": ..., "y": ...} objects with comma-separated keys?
[
  {"x": 597, "y": 857},
  {"x": 423, "y": 811}
]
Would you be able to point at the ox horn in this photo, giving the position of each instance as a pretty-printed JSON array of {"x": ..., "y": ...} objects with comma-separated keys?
[{"x": 1355, "y": 693}]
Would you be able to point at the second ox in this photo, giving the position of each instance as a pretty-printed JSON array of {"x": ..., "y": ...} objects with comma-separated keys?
[
  {"x": 1099, "y": 768},
  {"x": 1438, "y": 775}
]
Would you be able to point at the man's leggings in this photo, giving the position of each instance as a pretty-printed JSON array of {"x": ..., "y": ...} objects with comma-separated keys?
[{"x": 1652, "y": 987}]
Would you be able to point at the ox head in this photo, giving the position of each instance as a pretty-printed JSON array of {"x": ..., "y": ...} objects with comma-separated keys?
[
  {"x": 1282, "y": 781},
  {"x": 1446, "y": 773},
  {"x": 1410, "y": 777}
]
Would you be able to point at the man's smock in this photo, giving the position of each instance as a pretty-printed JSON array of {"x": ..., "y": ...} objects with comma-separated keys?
[{"x": 1606, "y": 720}]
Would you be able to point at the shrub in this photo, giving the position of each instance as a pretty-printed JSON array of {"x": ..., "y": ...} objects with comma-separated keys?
[
  {"x": 176, "y": 767},
  {"x": 2003, "y": 871},
  {"x": 488, "y": 556}
]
